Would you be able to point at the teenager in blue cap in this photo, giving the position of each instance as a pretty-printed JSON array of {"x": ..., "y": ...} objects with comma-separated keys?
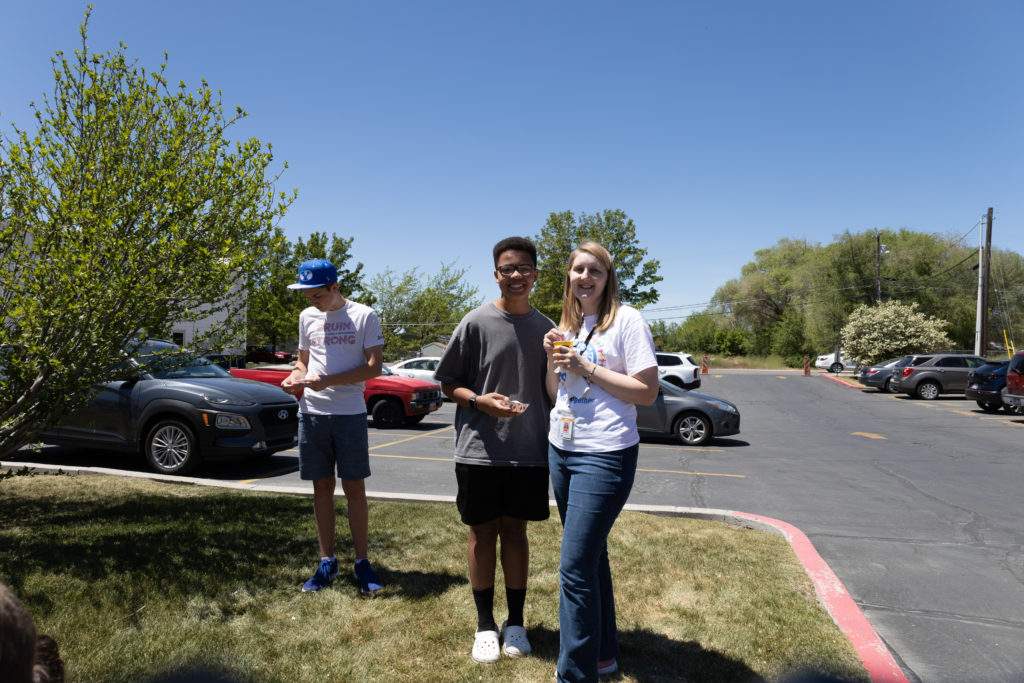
[{"x": 340, "y": 347}]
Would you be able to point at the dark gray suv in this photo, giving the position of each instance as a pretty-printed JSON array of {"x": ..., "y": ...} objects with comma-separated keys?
[
  {"x": 179, "y": 409},
  {"x": 930, "y": 374}
]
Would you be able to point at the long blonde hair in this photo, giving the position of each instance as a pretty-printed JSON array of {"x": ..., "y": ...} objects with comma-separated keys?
[{"x": 572, "y": 312}]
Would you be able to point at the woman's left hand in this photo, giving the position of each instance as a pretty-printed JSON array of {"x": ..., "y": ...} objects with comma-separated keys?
[{"x": 565, "y": 358}]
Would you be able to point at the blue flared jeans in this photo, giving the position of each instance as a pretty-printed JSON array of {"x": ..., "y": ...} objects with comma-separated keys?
[{"x": 590, "y": 489}]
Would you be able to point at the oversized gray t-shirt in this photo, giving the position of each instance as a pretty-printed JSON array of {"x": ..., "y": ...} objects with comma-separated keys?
[{"x": 492, "y": 350}]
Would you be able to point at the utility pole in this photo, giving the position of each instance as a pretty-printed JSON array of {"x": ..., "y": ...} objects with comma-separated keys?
[
  {"x": 981, "y": 319},
  {"x": 878, "y": 266}
]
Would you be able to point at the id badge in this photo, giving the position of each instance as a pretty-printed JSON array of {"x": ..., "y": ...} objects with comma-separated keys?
[{"x": 565, "y": 430}]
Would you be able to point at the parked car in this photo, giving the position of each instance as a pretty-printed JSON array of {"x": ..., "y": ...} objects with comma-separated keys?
[
  {"x": 879, "y": 375},
  {"x": 1013, "y": 393},
  {"x": 262, "y": 354},
  {"x": 832, "y": 362},
  {"x": 225, "y": 360},
  {"x": 691, "y": 416},
  {"x": 679, "y": 369},
  {"x": 420, "y": 368},
  {"x": 985, "y": 386},
  {"x": 928, "y": 375},
  {"x": 391, "y": 401},
  {"x": 180, "y": 409}
]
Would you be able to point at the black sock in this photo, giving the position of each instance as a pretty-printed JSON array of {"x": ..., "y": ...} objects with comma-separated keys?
[
  {"x": 516, "y": 598},
  {"x": 484, "y": 599}
]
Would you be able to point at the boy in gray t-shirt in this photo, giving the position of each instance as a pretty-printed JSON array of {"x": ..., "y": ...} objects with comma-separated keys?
[{"x": 496, "y": 356}]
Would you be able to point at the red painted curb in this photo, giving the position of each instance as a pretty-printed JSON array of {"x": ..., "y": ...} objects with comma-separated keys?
[
  {"x": 830, "y": 378},
  {"x": 873, "y": 653}
]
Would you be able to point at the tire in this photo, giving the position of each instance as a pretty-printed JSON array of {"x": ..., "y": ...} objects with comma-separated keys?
[
  {"x": 1014, "y": 410},
  {"x": 835, "y": 368},
  {"x": 171, "y": 447},
  {"x": 928, "y": 390},
  {"x": 412, "y": 420},
  {"x": 887, "y": 387},
  {"x": 693, "y": 429},
  {"x": 989, "y": 407},
  {"x": 387, "y": 413}
]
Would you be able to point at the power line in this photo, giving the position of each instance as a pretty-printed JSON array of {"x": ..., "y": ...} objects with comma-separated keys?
[{"x": 969, "y": 231}]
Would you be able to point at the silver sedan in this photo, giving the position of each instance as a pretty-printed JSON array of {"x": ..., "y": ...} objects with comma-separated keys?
[{"x": 692, "y": 416}]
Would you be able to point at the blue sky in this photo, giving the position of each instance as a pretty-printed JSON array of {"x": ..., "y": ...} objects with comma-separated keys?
[{"x": 428, "y": 131}]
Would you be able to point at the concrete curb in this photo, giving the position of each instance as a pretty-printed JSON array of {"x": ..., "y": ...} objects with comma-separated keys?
[
  {"x": 830, "y": 378},
  {"x": 872, "y": 651}
]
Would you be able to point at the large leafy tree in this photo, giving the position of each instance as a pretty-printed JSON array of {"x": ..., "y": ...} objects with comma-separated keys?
[
  {"x": 415, "y": 310},
  {"x": 564, "y": 231},
  {"x": 892, "y": 329},
  {"x": 273, "y": 309},
  {"x": 124, "y": 209}
]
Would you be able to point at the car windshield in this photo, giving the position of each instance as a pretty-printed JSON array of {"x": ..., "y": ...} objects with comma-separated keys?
[{"x": 168, "y": 361}]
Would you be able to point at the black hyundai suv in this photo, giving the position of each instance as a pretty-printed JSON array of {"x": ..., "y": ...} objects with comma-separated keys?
[{"x": 179, "y": 409}]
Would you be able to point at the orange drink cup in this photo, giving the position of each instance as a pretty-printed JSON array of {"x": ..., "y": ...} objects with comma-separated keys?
[{"x": 562, "y": 342}]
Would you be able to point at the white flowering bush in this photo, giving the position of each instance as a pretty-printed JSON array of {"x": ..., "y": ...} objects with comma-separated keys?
[{"x": 873, "y": 333}]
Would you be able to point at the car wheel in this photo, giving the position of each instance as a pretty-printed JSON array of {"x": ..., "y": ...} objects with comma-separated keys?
[
  {"x": 693, "y": 429},
  {"x": 412, "y": 420},
  {"x": 171, "y": 447},
  {"x": 835, "y": 368},
  {"x": 989, "y": 407},
  {"x": 387, "y": 413},
  {"x": 887, "y": 387},
  {"x": 929, "y": 391},
  {"x": 1014, "y": 410}
]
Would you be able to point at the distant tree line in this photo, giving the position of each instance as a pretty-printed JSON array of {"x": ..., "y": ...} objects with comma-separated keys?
[{"x": 795, "y": 297}]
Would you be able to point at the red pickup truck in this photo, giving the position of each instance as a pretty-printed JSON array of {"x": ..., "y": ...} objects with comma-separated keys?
[
  {"x": 1013, "y": 394},
  {"x": 391, "y": 401}
]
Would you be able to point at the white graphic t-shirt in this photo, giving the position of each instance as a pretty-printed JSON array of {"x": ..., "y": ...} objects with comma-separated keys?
[
  {"x": 335, "y": 341},
  {"x": 603, "y": 422}
]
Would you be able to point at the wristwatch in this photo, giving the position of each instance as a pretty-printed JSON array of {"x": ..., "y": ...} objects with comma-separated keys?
[{"x": 472, "y": 401}]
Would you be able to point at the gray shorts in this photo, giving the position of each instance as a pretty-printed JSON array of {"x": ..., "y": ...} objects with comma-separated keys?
[{"x": 327, "y": 442}]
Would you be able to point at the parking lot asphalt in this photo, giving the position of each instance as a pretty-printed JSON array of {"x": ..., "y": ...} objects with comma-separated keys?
[{"x": 914, "y": 504}]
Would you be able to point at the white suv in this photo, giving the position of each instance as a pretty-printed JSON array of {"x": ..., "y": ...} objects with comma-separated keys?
[
  {"x": 679, "y": 369},
  {"x": 833, "y": 364},
  {"x": 420, "y": 368}
]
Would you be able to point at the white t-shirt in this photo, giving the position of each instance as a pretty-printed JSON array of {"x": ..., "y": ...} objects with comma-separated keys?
[
  {"x": 335, "y": 341},
  {"x": 603, "y": 422}
]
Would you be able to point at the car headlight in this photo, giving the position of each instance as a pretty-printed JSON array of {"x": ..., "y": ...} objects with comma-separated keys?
[
  {"x": 723, "y": 406},
  {"x": 232, "y": 421},
  {"x": 226, "y": 401}
]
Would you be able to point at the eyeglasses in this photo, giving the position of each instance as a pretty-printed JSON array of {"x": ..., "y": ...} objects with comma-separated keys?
[{"x": 523, "y": 269}]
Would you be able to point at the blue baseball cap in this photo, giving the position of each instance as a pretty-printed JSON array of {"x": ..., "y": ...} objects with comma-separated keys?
[{"x": 316, "y": 272}]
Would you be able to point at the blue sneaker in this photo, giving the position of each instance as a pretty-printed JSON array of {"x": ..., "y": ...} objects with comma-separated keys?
[
  {"x": 367, "y": 579},
  {"x": 325, "y": 573}
]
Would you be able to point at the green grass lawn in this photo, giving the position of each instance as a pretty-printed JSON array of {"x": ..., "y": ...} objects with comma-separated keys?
[
  {"x": 135, "y": 578},
  {"x": 747, "y": 362}
]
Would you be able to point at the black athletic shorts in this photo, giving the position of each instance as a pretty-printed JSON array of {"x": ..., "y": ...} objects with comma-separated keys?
[{"x": 488, "y": 492}]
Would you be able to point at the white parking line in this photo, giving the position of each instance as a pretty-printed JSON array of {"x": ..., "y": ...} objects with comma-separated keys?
[{"x": 411, "y": 438}]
